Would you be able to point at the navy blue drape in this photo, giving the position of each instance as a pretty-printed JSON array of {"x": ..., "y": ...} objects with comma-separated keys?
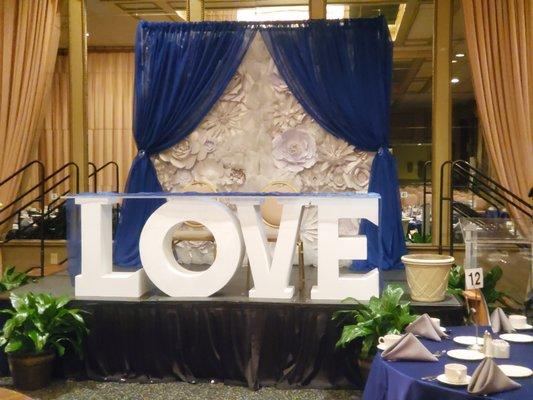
[
  {"x": 340, "y": 71},
  {"x": 181, "y": 70}
]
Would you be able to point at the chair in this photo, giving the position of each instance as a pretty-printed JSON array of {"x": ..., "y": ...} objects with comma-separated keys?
[
  {"x": 271, "y": 211},
  {"x": 474, "y": 299}
]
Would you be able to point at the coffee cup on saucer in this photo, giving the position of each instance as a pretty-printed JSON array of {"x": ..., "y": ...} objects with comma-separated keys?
[
  {"x": 518, "y": 321},
  {"x": 455, "y": 373},
  {"x": 389, "y": 340}
]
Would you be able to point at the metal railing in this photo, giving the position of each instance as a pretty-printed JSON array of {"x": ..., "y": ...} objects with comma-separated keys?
[
  {"x": 481, "y": 185},
  {"x": 26, "y": 199}
]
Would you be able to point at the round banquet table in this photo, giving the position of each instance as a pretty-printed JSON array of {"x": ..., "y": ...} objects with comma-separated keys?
[{"x": 400, "y": 380}]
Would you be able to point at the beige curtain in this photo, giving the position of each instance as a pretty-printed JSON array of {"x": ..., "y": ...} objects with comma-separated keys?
[
  {"x": 110, "y": 96},
  {"x": 110, "y": 100},
  {"x": 54, "y": 143},
  {"x": 499, "y": 39},
  {"x": 29, "y": 34}
]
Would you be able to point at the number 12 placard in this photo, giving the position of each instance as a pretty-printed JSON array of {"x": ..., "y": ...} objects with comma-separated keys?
[{"x": 473, "y": 278}]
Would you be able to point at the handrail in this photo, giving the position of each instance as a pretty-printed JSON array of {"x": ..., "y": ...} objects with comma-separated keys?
[
  {"x": 481, "y": 185},
  {"x": 97, "y": 170},
  {"x": 39, "y": 198},
  {"x": 93, "y": 175}
]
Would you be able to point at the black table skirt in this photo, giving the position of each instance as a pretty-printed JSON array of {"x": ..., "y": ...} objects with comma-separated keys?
[{"x": 236, "y": 342}]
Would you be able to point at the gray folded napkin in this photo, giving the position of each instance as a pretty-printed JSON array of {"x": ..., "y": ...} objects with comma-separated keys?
[
  {"x": 499, "y": 321},
  {"x": 424, "y": 326},
  {"x": 489, "y": 378},
  {"x": 408, "y": 348}
]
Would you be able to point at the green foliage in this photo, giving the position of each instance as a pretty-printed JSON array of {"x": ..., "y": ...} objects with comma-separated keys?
[
  {"x": 40, "y": 322},
  {"x": 418, "y": 238},
  {"x": 456, "y": 284},
  {"x": 379, "y": 317},
  {"x": 11, "y": 280}
]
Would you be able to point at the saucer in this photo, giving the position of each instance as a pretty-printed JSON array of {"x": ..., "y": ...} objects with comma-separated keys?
[
  {"x": 517, "y": 337},
  {"x": 463, "y": 354},
  {"x": 382, "y": 346},
  {"x": 442, "y": 378},
  {"x": 468, "y": 340},
  {"x": 515, "y": 371},
  {"x": 524, "y": 328}
]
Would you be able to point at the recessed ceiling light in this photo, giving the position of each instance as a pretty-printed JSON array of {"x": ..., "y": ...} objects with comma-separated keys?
[
  {"x": 454, "y": 61},
  {"x": 460, "y": 55},
  {"x": 87, "y": 34},
  {"x": 455, "y": 80},
  {"x": 420, "y": 144}
]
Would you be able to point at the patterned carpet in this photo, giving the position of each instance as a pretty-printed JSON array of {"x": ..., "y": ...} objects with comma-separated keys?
[{"x": 90, "y": 390}]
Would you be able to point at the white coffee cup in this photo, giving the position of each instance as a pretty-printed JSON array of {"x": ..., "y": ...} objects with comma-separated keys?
[
  {"x": 436, "y": 321},
  {"x": 455, "y": 373},
  {"x": 389, "y": 340},
  {"x": 518, "y": 321}
]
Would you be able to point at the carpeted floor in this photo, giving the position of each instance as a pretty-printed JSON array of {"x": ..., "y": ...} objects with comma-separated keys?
[{"x": 90, "y": 390}]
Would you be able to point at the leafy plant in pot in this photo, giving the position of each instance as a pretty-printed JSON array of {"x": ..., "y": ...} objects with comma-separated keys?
[
  {"x": 40, "y": 325},
  {"x": 368, "y": 322}
]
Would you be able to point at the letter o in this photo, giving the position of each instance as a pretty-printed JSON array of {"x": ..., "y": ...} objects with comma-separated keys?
[{"x": 158, "y": 260}]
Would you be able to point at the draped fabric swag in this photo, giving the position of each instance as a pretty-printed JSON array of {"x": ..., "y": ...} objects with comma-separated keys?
[
  {"x": 341, "y": 80},
  {"x": 500, "y": 41},
  {"x": 29, "y": 37}
]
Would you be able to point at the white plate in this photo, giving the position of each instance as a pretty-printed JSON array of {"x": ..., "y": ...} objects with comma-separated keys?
[
  {"x": 468, "y": 340},
  {"x": 524, "y": 328},
  {"x": 463, "y": 354},
  {"x": 517, "y": 337},
  {"x": 442, "y": 328},
  {"x": 515, "y": 371},
  {"x": 382, "y": 346},
  {"x": 442, "y": 378}
]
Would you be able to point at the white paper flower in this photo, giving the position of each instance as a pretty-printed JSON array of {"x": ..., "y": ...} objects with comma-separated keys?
[
  {"x": 185, "y": 153},
  {"x": 181, "y": 178},
  {"x": 313, "y": 180},
  {"x": 209, "y": 171},
  {"x": 235, "y": 177},
  {"x": 287, "y": 113},
  {"x": 234, "y": 91},
  {"x": 333, "y": 151},
  {"x": 335, "y": 179},
  {"x": 357, "y": 178},
  {"x": 309, "y": 226},
  {"x": 294, "y": 150},
  {"x": 224, "y": 120}
]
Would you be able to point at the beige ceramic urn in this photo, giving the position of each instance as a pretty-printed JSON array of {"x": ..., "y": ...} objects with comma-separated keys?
[{"x": 427, "y": 275}]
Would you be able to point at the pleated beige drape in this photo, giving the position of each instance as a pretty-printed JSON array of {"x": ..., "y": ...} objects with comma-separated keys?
[
  {"x": 500, "y": 45},
  {"x": 29, "y": 35},
  {"x": 109, "y": 110}
]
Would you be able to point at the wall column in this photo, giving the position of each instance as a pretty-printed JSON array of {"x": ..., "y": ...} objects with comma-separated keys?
[
  {"x": 441, "y": 149},
  {"x": 317, "y": 9},
  {"x": 77, "y": 63},
  {"x": 195, "y": 10}
]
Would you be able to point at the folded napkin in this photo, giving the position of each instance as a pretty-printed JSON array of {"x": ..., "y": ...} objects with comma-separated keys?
[
  {"x": 489, "y": 378},
  {"x": 499, "y": 321},
  {"x": 408, "y": 348},
  {"x": 425, "y": 327}
]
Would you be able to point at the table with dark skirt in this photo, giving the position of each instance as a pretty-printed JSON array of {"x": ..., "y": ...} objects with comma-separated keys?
[{"x": 401, "y": 380}]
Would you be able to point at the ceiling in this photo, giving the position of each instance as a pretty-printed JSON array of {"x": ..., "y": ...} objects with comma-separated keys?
[{"x": 112, "y": 23}]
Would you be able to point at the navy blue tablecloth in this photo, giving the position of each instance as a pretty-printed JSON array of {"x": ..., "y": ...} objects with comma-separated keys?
[{"x": 400, "y": 380}]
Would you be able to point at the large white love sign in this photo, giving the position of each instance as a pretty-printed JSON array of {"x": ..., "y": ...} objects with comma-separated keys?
[{"x": 232, "y": 232}]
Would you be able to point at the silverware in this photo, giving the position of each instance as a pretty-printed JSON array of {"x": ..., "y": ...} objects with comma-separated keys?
[
  {"x": 439, "y": 353},
  {"x": 429, "y": 378}
]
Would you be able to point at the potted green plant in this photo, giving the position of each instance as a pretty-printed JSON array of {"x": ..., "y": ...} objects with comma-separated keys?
[
  {"x": 11, "y": 279},
  {"x": 40, "y": 325},
  {"x": 368, "y": 322}
]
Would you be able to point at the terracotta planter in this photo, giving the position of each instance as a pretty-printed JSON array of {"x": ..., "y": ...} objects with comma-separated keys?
[
  {"x": 31, "y": 371},
  {"x": 427, "y": 275}
]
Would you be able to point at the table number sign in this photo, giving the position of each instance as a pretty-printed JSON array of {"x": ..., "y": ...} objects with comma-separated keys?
[{"x": 473, "y": 278}]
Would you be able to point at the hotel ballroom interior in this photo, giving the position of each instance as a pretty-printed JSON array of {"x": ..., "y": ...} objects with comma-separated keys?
[{"x": 266, "y": 199}]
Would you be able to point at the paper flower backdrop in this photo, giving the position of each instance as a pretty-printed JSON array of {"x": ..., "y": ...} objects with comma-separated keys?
[{"x": 258, "y": 133}]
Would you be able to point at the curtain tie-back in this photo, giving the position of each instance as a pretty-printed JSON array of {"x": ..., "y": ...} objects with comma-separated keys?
[{"x": 141, "y": 153}]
